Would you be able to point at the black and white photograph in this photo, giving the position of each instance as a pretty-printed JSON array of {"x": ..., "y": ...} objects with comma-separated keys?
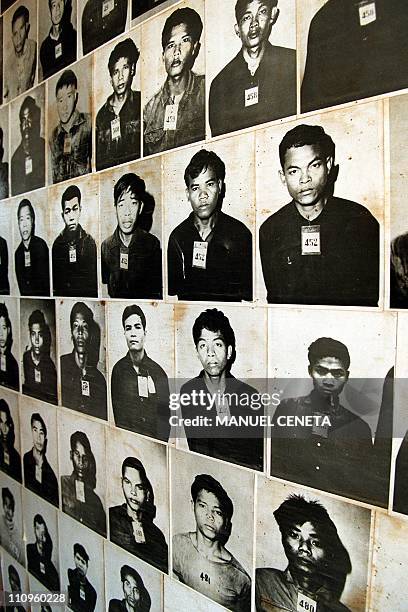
[
  {"x": 82, "y": 567},
  {"x": 15, "y": 580},
  {"x": 27, "y": 141},
  {"x": 70, "y": 122},
  {"x": 209, "y": 201},
  {"x": 10, "y": 456},
  {"x": 312, "y": 551},
  {"x": 82, "y": 348},
  {"x": 11, "y": 519},
  {"x": 251, "y": 63},
  {"x": 57, "y": 36},
  {"x": 40, "y": 448},
  {"x": 337, "y": 367},
  {"x": 141, "y": 359},
  {"x": 131, "y": 585},
  {"x": 20, "y": 46},
  {"x": 38, "y": 349},
  {"x": 32, "y": 254},
  {"x": 7, "y": 283},
  {"x": 138, "y": 497},
  {"x": 140, "y": 7},
  {"x": 9, "y": 344},
  {"x": 131, "y": 251},
  {"x": 212, "y": 528},
  {"x": 117, "y": 101},
  {"x": 100, "y": 21},
  {"x": 173, "y": 78},
  {"x": 41, "y": 535},
  {"x": 82, "y": 468},
  {"x": 177, "y": 596},
  {"x": 324, "y": 247},
  {"x": 4, "y": 153},
  {"x": 75, "y": 216}
]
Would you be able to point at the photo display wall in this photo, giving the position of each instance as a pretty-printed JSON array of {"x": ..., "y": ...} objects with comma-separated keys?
[{"x": 203, "y": 305}]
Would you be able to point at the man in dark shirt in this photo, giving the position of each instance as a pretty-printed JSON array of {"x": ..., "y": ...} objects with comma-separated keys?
[
  {"x": 39, "y": 553},
  {"x": 209, "y": 254},
  {"x": 318, "y": 249},
  {"x": 15, "y": 587},
  {"x": 83, "y": 386},
  {"x": 40, "y": 375},
  {"x": 58, "y": 50},
  {"x": 136, "y": 596},
  {"x": 101, "y": 21},
  {"x": 79, "y": 499},
  {"x": 118, "y": 121},
  {"x": 73, "y": 252},
  {"x": 10, "y": 460},
  {"x": 39, "y": 476},
  {"x": 4, "y": 261},
  {"x": 28, "y": 160},
  {"x": 131, "y": 256},
  {"x": 81, "y": 594},
  {"x": 9, "y": 374},
  {"x": 32, "y": 255},
  {"x": 131, "y": 525},
  {"x": 139, "y": 386},
  {"x": 259, "y": 84},
  {"x": 4, "y": 171}
]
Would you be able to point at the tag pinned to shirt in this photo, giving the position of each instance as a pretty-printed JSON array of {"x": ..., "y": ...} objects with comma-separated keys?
[
  {"x": 320, "y": 429},
  {"x": 170, "y": 117},
  {"x": 6, "y": 457},
  {"x": 251, "y": 96},
  {"x": 67, "y": 144},
  {"x": 107, "y": 7},
  {"x": 366, "y": 12},
  {"x": 143, "y": 386},
  {"x": 115, "y": 128},
  {"x": 305, "y": 603},
  {"x": 28, "y": 165},
  {"x": 200, "y": 250},
  {"x": 85, "y": 388},
  {"x": 138, "y": 533},
  {"x": 3, "y": 366},
  {"x": 58, "y": 50},
  {"x": 311, "y": 240},
  {"x": 124, "y": 261},
  {"x": 38, "y": 474},
  {"x": 80, "y": 491},
  {"x": 72, "y": 254},
  {"x": 82, "y": 593},
  {"x": 42, "y": 567},
  {"x": 150, "y": 385},
  {"x": 37, "y": 376},
  {"x": 27, "y": 259}
]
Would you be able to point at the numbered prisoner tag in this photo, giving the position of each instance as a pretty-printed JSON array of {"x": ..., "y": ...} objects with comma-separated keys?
[
  {"x": 320, "y": 430},
  {"x": 170, "y": 117},
  {"x": 305, "y": 603},
  {"x": 138, "y": 533},
  {"x": 311, "y": 240},
  {"x": 72, "y": 254},
  {"x": 6, "y": 457},
  {"x": 80, "y": 491},
  {"x": 28, "y": 165},
  {"x": 200, "y": 254},
  {"x": 124, "y": 261},
  {"x": 42, "y": 567},
  {"x": 85, "y": 388},
  {"x": 3, "y": 363},
  {"x": 67, "y": 144},
  {"x": 38, "y": 473},
  {"x": 115, "y": 128},
  {"x": 27, "y": 259},
  {"x": 251, "y": 96},
  {"x": 37, "y": 376},
  {"x": 150, "y": 385},
  {"x": 58, "y": 50},
  {"x": 107, "y": 7},
  {"x": 366, "y": 12},
  {"x": 82, "y": 593},
  {"x": 205, "y": 577},
  {"x": 143, "y": 386}
]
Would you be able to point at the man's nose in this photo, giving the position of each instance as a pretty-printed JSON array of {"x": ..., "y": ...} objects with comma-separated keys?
[
  {"x": 305, "y": 176},
  {"x": 303, "y": 547}
]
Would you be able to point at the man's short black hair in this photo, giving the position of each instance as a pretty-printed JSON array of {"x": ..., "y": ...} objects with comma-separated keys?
[
  {"x": 36, "y": 318},
  {"x": 187, "y": 16},
  {"x": 36, "y": 416},
  {"x": 21, "y": 11},
  {"x": 7, "y": 494},
  {"x": 38, "y": 520},
  {"x": 328, "y": 347},
  {"x": 80, "y": 550},
  {"x": 208, "y": 483},
  {"x": 5, "y": 315},
  {"x": 30, "y": 207},
  {"x": 85, "y": 311},
  {"x": 33, "y": 108},
  {"x": 215, "y": 321},
  {"x": 144, "y": 602},
  {"x": 134, "y": 309},
  {"x": 241, "y": 7},
  {"x": 129, "y": 182},
  {"x": 13, "y": 572},
  {"x": 71, "y": 192},
  {"x": 67, "y": 78},
  {"x": 125, "y": 48},
  {"x": 302, "y": 135},
  {"x": 4, "y": 407},
  {"x": 80, "y": 437},
  {"x": 200, "y": 162}
]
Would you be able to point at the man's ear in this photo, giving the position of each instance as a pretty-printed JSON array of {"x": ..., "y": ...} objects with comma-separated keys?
[
  {"x": 282, "y": 177},
  {"x": 196, "y": 49},
  {"x": 229, "y": 352},
  {"x": 62, "y": 216},
  {"x": 237, "y": 32},
  {"x": 309, "y": 369},
  {"x": 27, "y": 29},
  {"x": 274, "y": 15},
  {"x": 187, "y": 194},
  {"x": 329, "y": 163},
  {"x": 141, "y": 205},
  {"x": 347, "y": 375}
]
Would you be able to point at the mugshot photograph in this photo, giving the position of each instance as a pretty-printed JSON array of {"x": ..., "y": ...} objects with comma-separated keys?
[
  {"x": 10, "y": 458},
  {"x": 131, "y": 585},
  {"x": 212, "y": 346},
  {"x": 139, "y": 7},
  {"x": 11, "y": 521},
  {"x": 101, "y": 20},
  {"x": 259, "y": 83},
  {"x": 58, "y": 36},
  {"x": 117, "y": 98},
  {"x": 70, "y": 122},
  {"x": 209, "y": 218},
  {"x": 323, "y": 247},
  {"x": 4, "y": 153},
  {"x": 31, "y": 257},
  {"x": 131, "y": 255},
  {"x": 39, "y": 439},
  {"x": 138, "y": 335},
  {"x": 9, "y": 335},
  {"x": 15, "y": 579},
  {"x": 376, "y": 60},
  {"x": 83, "y": 489},
  {"x": 138, "y": 497},
  {"x": 74, "y": 253},
  {"x": 207, "y": 516},
  {"x": 341, "y": 386},
  {"x": 7, "y": 284},
  {"x": 27, "y": 143},
  {"x": 173, "y": 79},
  {"x": 38, "y": 349},
  {"x": 311, "y": 550},
  {"x": 83, "y": 384},
  {"x": 20, "y": 44}
]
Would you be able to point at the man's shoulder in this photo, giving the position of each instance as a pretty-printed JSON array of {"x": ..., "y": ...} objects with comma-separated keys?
[
  {"x": 183, "y": 228},
  {"x": 282, "y": 215},
  {"x": 146, "y": 239},
  {"x": 39, "y": 242},
  {"x": 223, "y": 78},
  {"x": 117, "y": 512},
  {"x": 67, "y": 359},
  {"x": 265, "y": 574},
  {"x": 240, "y": 571},
  {"x": 110, "y": 242},
  {"x": 194, "y": 383},
  {"x": 233, "y": 225},
  {"x": 351, "y": 209},
  {"x": 182, "y": 542},
  {"x": 150, "y": 363}
]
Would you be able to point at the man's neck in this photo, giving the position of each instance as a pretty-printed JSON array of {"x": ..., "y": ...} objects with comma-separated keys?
[
  {"x": 210, "y": 549},
  {"x": 38, "y": 457},
  {"x": 56, "y": 31},
  {"x": 177, "y": 85},
  {"x": 36, "y": 360},
  {"x": 215, "y": 383},
  {"x": 205, "y": 226},
  {"x": 27, "y": 242},
  {"x": 23, "y": 50},
  {"x": 68, "y": 125},
  {"x": 254, "y": 53},
  {"x": 26, "y": 147},
  {"x": 118, "y": 100},
  {"x": 126, "y": 238},
  {"x": 81, "y": 360},
  {"x": 135, "y": 515},
  {"x": 137, "y": 356},
  {"x": 311, "y": 212},
  {"x": 306, "y": 582}
]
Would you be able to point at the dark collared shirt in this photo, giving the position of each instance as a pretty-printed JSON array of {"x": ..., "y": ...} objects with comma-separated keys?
[
  {"x": 99, "y": 26},
  {"x": 89, "y": 398},
  {"x": 40, "y": 380},
  {"x": 4, "y": 261},
  {"x": 77, "y": 277},
  {"x": 71, "y": 152},
  {"x": 28, "y": 170},
  {"x": 90, "y": 512},
  {"x": 56, "y": 54},
  {"x": 32, "y": 267},
  {"x": 9, "y": 376},
  {"x": 77, "y": 603},
  {"x": 48, "y": 487}
]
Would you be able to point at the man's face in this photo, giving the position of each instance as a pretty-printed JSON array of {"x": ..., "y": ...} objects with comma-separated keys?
[
  {"x": 37, "y": 338},
  {"x": 26, "y": 124},
  {"x": 122, "y": 74},
  {"x": 80, "y": 460},
  {"x": 208, "y": 515},
  {"x": 213, "y": 352},
  {"x": 179, "y": 51},
  {"x": 20, "y": 31},
  {"x": 66, "y": 102},
  {"x": 8, "y": 509},
  {"x": 40, "y": 536},
  {"x": 25, "y": 223},
  {"x": 127, "y": 210},
  {"x": 305, "y": 174},
  {"x": 304, "y": 548},
  {"x": 4, "y": 333},
  {"x": 38, "y": 434},
  {"x": 81, "y": 565},
  {"x": 80, "y": 334},
  {"x": 203, "y": 193},
  {"x": 329, "y": 376},
  {"x": 131, "y": 592},
  {"x": 133, "y": 489},
  {"x": 134, "y": 333},
  {"x": 4, "y": 426},
  {"x": 56, "y": 11},
  {"x": 254, "y": 26},
  {"x": 14, "y": 581},
  {"x": 71, "y": 214}
]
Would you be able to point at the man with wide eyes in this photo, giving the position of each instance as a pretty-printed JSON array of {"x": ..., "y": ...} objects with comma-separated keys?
[{"x": 38, "y": 474}]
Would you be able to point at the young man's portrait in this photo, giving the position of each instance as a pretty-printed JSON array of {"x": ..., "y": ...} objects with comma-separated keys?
[
  {"x": 10, "y": 459},
  {"x": 258, "y": 84},
  {"x": 11, "y": 535},
  {"x": 6, "y": 251},
  {"x": 70, "y": 123},
  {"x": 118, "y": 121},
  {"x": 40, "y": 554},
  {"x": 14, "y": 582},
  {"x": 101, "y": 20},
  {"x": 58, "y": 36},
  {"x": 27, "y": 143},
  {"x": 136, "y": 597},
  {"x": 4, "y": 154},
  {"x": 175, "y": 114},
  {"x": 81, "y": 594},
  {"x": 83, "y": 385},
  {"x": 9, "y": 370}
]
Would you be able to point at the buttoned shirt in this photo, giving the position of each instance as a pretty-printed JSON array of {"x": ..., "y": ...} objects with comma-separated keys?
[
  {"x": 74, "y": 264},
  {"x": 20, "y": 73},
  {"x": 101, "y": 21},
  {"x": 83, "y": 390},
  {"x": 32, "y": 267},
  {"x": 71, "y": 151}
]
